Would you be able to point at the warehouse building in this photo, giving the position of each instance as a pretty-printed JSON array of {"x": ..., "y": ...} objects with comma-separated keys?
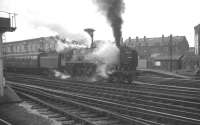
[{"x": 30, "y": 45}]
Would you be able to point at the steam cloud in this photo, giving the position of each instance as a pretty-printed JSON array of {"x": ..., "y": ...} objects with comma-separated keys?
[
  {"x": 113, "y": 9},
  {"x": 60, "y": 30},
  {"x": 61, "y": 47},
  {"x": 105, "y": 55},
  {"x": 61, "y": 75},
  {"x": 63, "y": 33}
]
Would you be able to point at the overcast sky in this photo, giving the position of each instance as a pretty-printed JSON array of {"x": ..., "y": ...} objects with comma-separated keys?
[{"x": 150, "y": 18}]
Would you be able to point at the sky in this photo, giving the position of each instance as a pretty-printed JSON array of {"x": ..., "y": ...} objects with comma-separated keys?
[{"x": 150, "y": 18}]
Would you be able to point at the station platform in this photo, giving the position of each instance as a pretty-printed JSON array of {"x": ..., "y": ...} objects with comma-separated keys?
[{"x": 165, "y": 73}]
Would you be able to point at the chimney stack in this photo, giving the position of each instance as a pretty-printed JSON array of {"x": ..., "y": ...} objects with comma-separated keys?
[
  {"x": 163, "y": 37},
  {"x": 144, "y": 38},
  {"x": 137, "y": 39},
  {"x": 129, "y": 39}
]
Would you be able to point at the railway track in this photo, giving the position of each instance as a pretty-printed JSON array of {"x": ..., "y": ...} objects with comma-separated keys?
[
  {"x": 4, "y": 122},
  {"x": 192, "y": 83},
  {"x": 69, "y": 112},
  {"x": 148, "y": 103},
  {"x": 65, "y": 108}
]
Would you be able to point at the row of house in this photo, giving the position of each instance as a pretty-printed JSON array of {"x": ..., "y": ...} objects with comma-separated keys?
[
  {"x": 150, "y": 47},
  {"x": 160, "y": 52}
]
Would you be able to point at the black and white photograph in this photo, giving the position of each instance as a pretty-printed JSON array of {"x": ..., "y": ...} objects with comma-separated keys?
[{"x": 99, "y": 62}]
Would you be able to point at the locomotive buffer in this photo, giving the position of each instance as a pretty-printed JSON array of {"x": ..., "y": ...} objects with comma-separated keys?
[{"x": 7, "y": 24}]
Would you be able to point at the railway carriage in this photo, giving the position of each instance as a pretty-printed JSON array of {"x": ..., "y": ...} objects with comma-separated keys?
[
  {"x": 46, "y": 62},
  {"x": 22, "y": 62}
]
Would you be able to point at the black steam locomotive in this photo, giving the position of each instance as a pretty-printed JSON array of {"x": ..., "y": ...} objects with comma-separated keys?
[
  {"x": 125, "y": 71},
  {"x": 66, "y": 62}
]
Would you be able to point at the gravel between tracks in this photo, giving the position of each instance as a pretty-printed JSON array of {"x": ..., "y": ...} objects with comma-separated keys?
[{"x": 18, "y": 115}]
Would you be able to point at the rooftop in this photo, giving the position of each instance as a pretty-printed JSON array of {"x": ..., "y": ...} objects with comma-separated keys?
[{"x": 156, "y": 40}]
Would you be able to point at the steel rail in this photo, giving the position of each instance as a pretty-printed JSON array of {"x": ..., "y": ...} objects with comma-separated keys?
[
  {"x": 174, "y": 117},
  {"x": 152, "y": 93},
  {"x": 114, "y": 115}
]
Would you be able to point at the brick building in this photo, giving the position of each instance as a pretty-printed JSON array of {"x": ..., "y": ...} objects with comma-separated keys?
[
  {"x": 30, "y": 45},
  {"x": 160, "y": 52},
  {"x": 166, "y": 63},
  {"x": 151, "y": 47}
]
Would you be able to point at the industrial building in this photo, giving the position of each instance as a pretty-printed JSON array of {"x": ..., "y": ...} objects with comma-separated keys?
[{"x": 31, "y": 45}]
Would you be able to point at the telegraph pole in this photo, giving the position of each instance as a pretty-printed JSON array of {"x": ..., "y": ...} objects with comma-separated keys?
[
  {"x": 170, "y": 52},
  {"x": 1, "y": 67},
  {"x": 7, "y": 24}
]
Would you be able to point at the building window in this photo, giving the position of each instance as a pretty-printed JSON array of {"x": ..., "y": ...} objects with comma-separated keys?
[
  {"x": 8, "y": 49},
  {"x": 25, "y": 48},
  {"x": 166, "y": 49},
  {"x": 157, "y": 63}
]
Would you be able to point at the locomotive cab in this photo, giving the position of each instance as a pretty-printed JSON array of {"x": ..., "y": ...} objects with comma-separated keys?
[{"x": 126, "y": 70}]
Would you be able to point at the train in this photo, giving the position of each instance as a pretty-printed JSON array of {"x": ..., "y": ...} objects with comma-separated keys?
[
  {"x": 43, "y": 63},
  {"x": 72, "y": 62}
]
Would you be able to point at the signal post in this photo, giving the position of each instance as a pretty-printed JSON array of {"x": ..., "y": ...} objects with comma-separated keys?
[{"x": 7, "y": 24}]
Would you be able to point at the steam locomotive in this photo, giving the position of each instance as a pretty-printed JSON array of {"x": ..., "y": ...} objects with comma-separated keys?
[
  {"x": 125, "y": 71},
  {"x": 72, "y": 62}
]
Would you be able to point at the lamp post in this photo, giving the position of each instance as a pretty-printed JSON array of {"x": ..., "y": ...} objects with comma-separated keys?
[
  {"x": 90, "y": 31},
  {"x": 170, "y": 52}
]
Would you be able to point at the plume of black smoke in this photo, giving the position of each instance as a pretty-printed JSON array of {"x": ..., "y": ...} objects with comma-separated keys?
[{"x": 113, "y": 9}]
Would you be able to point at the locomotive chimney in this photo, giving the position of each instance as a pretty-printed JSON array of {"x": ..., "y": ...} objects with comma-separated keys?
[
  {"x": 118, "y": 43},
  {"x": 121, "y": 41}
]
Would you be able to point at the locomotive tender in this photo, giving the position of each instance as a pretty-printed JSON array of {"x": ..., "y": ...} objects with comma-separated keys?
[{"x": 42, "y": 62}]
